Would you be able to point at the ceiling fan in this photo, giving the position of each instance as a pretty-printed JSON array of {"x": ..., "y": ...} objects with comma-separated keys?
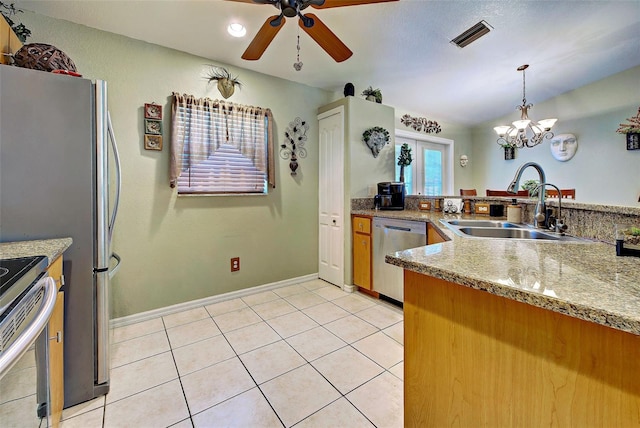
[{"x": 309, "y": 22}]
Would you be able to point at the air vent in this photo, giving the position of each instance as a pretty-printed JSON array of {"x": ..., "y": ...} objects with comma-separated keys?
[{"x": 472, "y": 34}]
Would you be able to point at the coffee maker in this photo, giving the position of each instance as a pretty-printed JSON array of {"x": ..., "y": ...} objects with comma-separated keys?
[{"x": 390, "y": 196}]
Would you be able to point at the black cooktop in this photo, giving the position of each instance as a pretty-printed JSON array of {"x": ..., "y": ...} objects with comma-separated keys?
[{"x": 17, "y": 274}]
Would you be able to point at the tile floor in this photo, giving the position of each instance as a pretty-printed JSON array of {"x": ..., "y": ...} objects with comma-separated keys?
[{"x": 306, "y": 355}]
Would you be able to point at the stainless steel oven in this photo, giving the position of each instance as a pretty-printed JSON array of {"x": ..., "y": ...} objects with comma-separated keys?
[{"x": 27, "y": 300}]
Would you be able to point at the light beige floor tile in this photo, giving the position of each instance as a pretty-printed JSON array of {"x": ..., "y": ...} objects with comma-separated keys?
[
  {"x": 340, "y": 413},
  {"x": 354, "y": 303},
  {"x": 381, "y": 401},
  {"x": 196, "y": 331},
  {"x": 185, "y": 317},
  {"x": 351, "y": 328},
  {"x": 325, "y": 313},
  {"x": 163, "y": 405},
  {"x": 90, "y": 419},
  {"x": 396, "y": 332},
  {"x": 381, "y": 348},
  {"x": 298, "y": 393},
  {"x": 259, "y": 298},
  {"x": 183, "y": 424},
  {"x": 271, "y": 360},
  {"x": 305, "y": 300},
  {"x": 203, "y": 354},
  {"x": 330, "y": 292},
  {"x": 131, "y": 331},
  {"x": 236, "y": 319},
  {"x": 252, "y": 337},
  {"x": 380, "y": 316},
  {"x": 20, "y": 412},
  {"x": 313, "y": 344},
  {"x": 347, "y": 369},
  {"x": 249, "y": 409},
  {"x": 26, "y": 361},
  {"x": 314, "y": 284},
  {"x": 398, "y": 370},
  {"x": 140, "y": 375},
  {"x": 220, "y": 308},
  {"x": 290, "y": 290},
  {"x": 291, "y": 324},
  {"x": 136, "y": 349},
  {"x": 18, "y": 384},
  {"x": 274, "y": 308},
  {"x": 214, "y": 384},
  {"x": 85, "y": 407}
]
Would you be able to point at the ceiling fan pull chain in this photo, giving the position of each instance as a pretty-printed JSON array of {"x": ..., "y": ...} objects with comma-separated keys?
[{"x": 298, "y": 65}]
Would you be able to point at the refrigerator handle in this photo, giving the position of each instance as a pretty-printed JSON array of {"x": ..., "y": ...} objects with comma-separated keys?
[
  {"x": 115, "y": 269},
  {"x": 116, "y": 157}
]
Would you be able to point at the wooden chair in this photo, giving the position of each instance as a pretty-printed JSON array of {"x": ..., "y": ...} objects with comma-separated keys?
[
  {"x": 566, "y": 193},
  {"x": 468, "y": 192},
  {"x": 504, "y": 193}
]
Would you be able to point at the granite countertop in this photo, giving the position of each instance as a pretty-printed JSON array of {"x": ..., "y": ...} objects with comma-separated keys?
[
  {"x": 583, "y": 280},
  {"x": 52, "y": 248}
]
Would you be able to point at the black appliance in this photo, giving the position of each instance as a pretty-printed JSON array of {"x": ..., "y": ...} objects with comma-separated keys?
[{"x": 390, "y": 196}]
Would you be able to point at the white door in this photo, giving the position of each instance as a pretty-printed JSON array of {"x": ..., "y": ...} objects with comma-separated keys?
[{"x": 331, "y": 195}]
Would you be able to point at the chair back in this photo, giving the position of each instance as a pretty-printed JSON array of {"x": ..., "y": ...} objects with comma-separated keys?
[
  {"x": 566, "y": 193},
  {"x": 504, "y": 193},
  {"x": 468, "y": 192}
]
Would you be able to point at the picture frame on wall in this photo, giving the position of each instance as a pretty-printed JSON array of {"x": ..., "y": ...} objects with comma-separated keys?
[
  {"x": 633, "y": 141},
  {"x": 153, "y": 142},
  {"x": 153, "y": 127},
  {"x": 153, "y": 111}
]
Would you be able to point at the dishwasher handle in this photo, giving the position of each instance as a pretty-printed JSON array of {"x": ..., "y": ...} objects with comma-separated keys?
[{"x": 403, "y": 229}]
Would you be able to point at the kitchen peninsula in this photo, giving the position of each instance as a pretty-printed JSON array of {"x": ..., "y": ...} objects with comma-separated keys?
[{"x": 503, "y": 332}]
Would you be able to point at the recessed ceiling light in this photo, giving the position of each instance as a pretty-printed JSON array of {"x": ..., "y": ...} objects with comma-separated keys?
[
  {"x": 236, "y": 29},
  {"x": 472, "y": 34}
]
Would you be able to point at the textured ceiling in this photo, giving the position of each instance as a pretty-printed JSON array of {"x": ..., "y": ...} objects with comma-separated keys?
[{"x": 400, "y": 47}]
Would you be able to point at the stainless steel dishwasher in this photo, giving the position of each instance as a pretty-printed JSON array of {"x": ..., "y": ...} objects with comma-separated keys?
[{"x": 389, "y": 236}]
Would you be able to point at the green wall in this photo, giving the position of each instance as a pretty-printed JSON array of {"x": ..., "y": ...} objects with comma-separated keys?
[
  {"x": 177, "y": 249},
  {"x": 602, "y": 170}
]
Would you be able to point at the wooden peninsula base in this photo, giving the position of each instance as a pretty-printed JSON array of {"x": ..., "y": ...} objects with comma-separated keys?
[{"x": 476, "y": 359}]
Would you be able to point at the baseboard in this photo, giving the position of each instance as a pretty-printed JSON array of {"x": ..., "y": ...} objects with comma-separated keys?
[{"x": 155, "y": 313}]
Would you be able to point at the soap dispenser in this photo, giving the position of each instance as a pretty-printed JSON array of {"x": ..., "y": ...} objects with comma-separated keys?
[{"x": 514, "y": 212}]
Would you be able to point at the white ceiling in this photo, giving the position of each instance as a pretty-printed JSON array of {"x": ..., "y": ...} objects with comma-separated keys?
[{"x": 400, "y": 47}]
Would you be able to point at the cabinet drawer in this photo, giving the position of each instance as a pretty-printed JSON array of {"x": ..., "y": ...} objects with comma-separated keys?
[{"x": 362, "y": 225}]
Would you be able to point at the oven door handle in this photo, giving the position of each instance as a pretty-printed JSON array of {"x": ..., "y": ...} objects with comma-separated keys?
[{"x": 16, "y": 350}]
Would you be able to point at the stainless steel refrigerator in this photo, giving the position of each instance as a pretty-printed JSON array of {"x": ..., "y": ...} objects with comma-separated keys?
[{"x": 60, "y": 177}]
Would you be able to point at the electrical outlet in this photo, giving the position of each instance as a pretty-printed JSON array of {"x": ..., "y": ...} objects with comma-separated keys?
[{"x": 235, "y": 264}]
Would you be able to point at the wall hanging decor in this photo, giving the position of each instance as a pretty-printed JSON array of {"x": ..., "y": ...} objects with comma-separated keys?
[
  {"x": 225, "y": 80},
  {"x": 371, "y": 94},
  {"x": 632, "y": 131},
  {"x": 376, "y": 138},
  {"x": 464, "y": 160},
  {"x": 9, "y": 10},
  {"x": 349, "y": 90},
  {"x": 563, "y": 146},
  {"x": 509, "y": 151},
  {"x": 421, "y": 124},
  {"x": 152, "y": 126},
  {"x": 293, "y": 148}
]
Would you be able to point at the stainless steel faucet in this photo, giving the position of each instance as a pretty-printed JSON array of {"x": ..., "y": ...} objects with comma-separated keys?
[
  {"x": 558, "y": 224},
  {"x": 539, "y": 214}
]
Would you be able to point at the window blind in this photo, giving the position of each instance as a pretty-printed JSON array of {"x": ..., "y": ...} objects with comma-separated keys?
[{"x": 219, "y": 147}]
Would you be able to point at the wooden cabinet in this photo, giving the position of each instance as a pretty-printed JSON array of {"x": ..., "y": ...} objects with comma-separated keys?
[
  {"x": 56, "y": 346},
  {"x": 9, "y": 42},
  {"x": 434, "y": 236},
  {"x": 362, "y": 252}
]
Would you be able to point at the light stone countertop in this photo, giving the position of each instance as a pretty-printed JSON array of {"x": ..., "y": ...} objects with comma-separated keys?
[
  {"x": 52, "y": 248},
  {"x": 583, "y": 280}
]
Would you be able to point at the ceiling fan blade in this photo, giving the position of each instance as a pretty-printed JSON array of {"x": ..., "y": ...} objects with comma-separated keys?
[
  {"x": 341, "y": 3},
  {"x": 264, "y": 37},
  {"x": 326, "y": 39}
]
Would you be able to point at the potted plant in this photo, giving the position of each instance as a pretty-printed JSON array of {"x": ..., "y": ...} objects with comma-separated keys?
[
  {"x": 632, "y": 131},
  {"x": 226, "y": 81},
  {"x": 404, "y": 159},
  {"x": 372, "y": 94},
  {"x": 531, "y": 185},
  {"x": 627, "y": 240},
  {"x": 8, "y": 10},
  {"x": 509, "y": 151}
]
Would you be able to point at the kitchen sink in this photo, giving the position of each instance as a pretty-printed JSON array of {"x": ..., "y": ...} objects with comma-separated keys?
[{"x": 495, "y": 229}]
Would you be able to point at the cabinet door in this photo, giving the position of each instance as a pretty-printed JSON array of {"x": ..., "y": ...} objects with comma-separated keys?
[
  {"x": 362, "y": 260},
  {"x": 433, "y": 235},
  {"x": 56, "y": 347}
]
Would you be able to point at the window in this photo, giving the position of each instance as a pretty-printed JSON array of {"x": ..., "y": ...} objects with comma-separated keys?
[
  {"x": 431, "y": 172},
  {"x": 220, "y": 148}
]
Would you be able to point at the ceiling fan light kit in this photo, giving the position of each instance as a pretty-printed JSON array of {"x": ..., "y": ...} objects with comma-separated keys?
[
  {"x": 524, "y": 132},
  {"x": 310, "y": 23}
]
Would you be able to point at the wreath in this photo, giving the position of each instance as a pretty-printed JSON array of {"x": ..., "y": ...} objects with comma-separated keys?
[{"x": 376, "y": 138}]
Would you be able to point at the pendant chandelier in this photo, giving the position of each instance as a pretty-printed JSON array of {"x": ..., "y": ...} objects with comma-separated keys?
[{"x": 524, "y": 132}]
